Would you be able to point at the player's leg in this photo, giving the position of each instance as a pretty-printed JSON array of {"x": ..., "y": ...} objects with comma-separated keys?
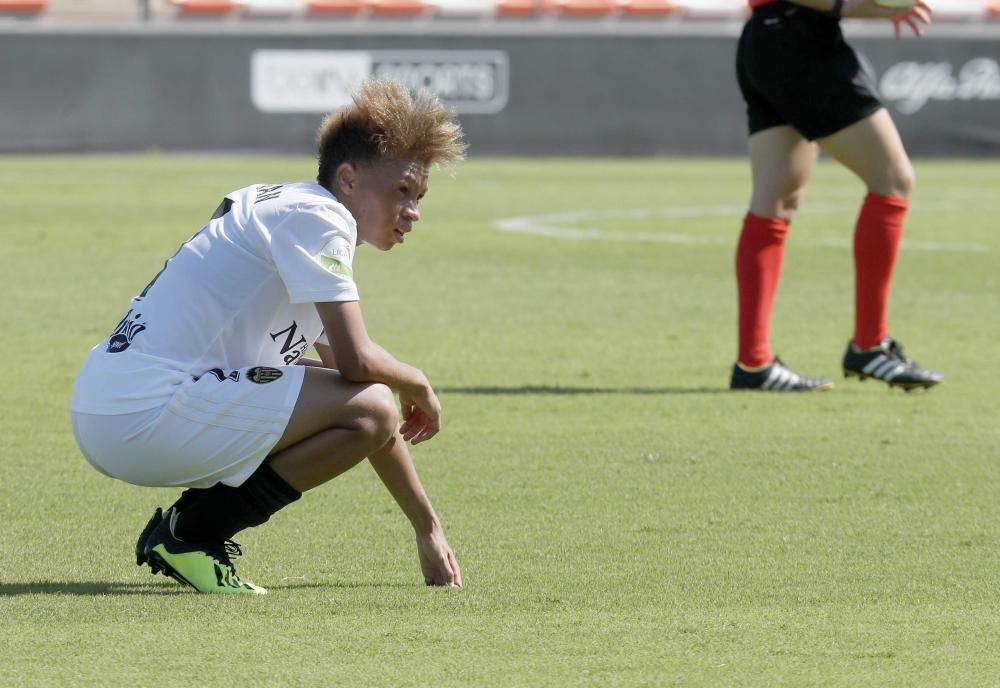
[
  {"x": 340, "y": 421},
  {"x": 781, "y": 161},
  {"x": 332, "y": 425},
  {"x": 335, "y": 424},
  {"x": 873, "y": 150}
]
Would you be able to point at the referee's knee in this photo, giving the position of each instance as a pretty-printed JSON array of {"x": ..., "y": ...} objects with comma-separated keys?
[
  {"x": 897, "y": 180},
  {"x": 782, "y": 206}
]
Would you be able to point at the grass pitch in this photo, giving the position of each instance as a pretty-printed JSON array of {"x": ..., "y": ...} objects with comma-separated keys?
[{"x": 621, "y": 519}]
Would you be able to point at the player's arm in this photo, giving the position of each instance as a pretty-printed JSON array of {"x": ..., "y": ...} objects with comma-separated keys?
[
  {"x": 359, "y": 359},
  {"x": 326, "y": 358},
  {"x": 915, "y": 11},
  {"x": 396, "y": 470}
]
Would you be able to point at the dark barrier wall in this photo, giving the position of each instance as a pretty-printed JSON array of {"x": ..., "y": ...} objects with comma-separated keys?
[{"x": 529, "y": 93}]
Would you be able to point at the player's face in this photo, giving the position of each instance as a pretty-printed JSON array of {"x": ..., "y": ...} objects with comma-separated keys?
[{"x": 384, "y": 200}]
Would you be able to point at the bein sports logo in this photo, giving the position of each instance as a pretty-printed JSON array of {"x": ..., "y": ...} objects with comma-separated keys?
[
  {"x": 912, "y": 84},
  {"x": 306, "y": 81},
  {"x": 126, "y": 331}
]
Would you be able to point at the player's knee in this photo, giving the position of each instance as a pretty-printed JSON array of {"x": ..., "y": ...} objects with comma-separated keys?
[
  {"x": 781, "y": 207},
  {"x": 788, "y": 205},
  {"x": 898, "y": 180},
  {"x": 779, "y": 199},
  {"x": 905, "y": 179},
  {"x": 381, "y": 413}
]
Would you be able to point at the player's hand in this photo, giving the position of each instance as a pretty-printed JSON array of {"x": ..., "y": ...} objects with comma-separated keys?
[
  {"x": 437, "y": 561},
  {"x": 421, "y": 414}
]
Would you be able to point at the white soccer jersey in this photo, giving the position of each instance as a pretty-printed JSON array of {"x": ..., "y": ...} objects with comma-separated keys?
[{"x": 239, "y": 293}]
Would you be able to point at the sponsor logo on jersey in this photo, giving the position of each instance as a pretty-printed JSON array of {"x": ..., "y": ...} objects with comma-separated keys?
[
  {"x": 336, "y": 266},
  {"x": 336, "y": 257},
  {"x": 292, "y": 348},
  {"x": 263, "y": 374},
  {"x": 911, "y": 85},
  {"x": 127, "y": 330}
]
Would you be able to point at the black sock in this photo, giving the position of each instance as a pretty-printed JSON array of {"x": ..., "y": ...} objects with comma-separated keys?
[
  {"x": 189, "y": 497},
  {"x": 222, "y": 511}
]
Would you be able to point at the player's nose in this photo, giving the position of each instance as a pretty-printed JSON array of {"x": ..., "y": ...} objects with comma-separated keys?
[{"x": 411, "y": 213}]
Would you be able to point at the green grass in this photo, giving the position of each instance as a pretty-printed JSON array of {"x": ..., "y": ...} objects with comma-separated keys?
[{"x": 620, "y": 518}]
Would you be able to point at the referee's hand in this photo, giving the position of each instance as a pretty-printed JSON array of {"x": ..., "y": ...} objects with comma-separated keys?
[{"x": 914, "y": 16}]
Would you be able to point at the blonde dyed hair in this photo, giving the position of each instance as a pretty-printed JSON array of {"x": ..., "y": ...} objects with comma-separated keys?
[{"x": 386, "y": 121}]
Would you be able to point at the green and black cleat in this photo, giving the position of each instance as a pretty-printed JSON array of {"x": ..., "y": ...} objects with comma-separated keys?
[
  {"x": 887, "y": 363},
  {"x": 140, "y": 545},
  {"x": 206, "y": 568}
]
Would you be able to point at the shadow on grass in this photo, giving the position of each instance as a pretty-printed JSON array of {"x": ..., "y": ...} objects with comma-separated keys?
[
  {"x": 88, "y": 588},
  {"x": 559, "y": 390},
  {"x": 342, "y": 585},
  {"x": 96, "y": 589}
]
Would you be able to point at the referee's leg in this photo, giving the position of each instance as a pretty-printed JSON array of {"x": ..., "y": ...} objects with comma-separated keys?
[
  {"x": 781, "y": 161},
  {"x": 873, "y": 150}
]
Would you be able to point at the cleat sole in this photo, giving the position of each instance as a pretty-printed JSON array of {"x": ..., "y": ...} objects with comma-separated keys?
[
  {"x": 158, "y": 565},
  {"x": 907, "y": 386}
]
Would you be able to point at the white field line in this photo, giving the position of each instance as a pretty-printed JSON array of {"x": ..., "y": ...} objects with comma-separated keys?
[{"x": 550, "y": 225}]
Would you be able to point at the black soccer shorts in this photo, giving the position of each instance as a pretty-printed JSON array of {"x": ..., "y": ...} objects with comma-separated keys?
[{"x": 795, "y": 68}]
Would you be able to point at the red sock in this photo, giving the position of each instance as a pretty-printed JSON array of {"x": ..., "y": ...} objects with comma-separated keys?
[
  {"x": 758, "y": 267},
  {"x": 876, "y": 243}
]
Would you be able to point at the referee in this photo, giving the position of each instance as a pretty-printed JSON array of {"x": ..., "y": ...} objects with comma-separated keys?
[{"x": 805, "y": 90}]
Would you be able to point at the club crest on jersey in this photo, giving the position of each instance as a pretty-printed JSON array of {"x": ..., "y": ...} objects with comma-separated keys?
[
  {"x": 126, "y": 331},
  {"x": 263, "y": 374}
]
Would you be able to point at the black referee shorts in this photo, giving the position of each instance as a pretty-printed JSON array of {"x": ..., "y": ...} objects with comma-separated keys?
[{"x": 794, "y": 67}]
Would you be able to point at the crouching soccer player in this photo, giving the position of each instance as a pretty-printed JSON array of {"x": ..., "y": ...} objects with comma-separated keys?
[{"x": 203, "y": 383}]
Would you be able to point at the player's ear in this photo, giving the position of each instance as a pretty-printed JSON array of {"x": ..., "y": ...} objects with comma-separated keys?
[{"x": 346, "y": 177}]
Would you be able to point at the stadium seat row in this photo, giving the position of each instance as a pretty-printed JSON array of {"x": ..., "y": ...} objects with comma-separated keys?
[
  {"x": 959, "y": 10},
  {"x": 696, "y": 9},
  {"x": 417, "y": 8}
]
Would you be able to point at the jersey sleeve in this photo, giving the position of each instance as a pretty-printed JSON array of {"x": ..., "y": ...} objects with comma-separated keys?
[{"x": 313, "y": 250}]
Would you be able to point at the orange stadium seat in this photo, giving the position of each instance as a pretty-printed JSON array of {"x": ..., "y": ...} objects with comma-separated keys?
[
  {"x": 580, "y": 8},
  {"x": 22, "y": 6},
  {"x": 517, "y": 8},
  {"x": 335, "y": 7},
  {"x": 647, "y": 8},
  {"x": 206, "y": 7},
  {"x": 398, "y": 8}
]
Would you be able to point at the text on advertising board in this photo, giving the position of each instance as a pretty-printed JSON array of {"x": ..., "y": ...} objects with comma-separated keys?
[
  {"x": 307, "y": 81},
  {"x": 911, "y": 85}
]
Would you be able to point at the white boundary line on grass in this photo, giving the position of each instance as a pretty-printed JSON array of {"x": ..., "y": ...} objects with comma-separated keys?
[{"x": 549, "y": 225}]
